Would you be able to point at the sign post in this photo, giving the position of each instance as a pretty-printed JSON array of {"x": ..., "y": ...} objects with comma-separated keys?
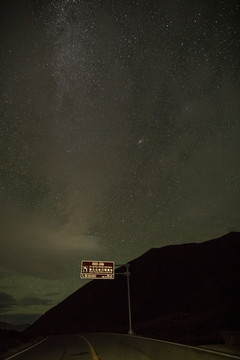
[
  {"x": 91, "y": 270},
  {"x": 130, "y": 331},
  {"x": 127, "y": 273}
]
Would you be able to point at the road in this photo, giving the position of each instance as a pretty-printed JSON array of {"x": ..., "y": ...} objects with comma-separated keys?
[{"x": 97, "y": 346}]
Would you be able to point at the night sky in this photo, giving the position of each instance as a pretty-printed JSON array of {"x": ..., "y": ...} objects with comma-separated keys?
[{"x": 119, "y": 132}]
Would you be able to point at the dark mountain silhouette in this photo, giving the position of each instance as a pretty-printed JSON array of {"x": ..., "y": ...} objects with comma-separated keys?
[{"x": 186, "y": 293}]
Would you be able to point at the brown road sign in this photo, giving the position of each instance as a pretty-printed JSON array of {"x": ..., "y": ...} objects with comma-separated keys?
[{"x": 91, "y": 269}]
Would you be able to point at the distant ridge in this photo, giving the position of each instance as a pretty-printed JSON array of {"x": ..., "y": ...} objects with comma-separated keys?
[
  {"x": 7, "y": 326},
  {"x": 186, "y": 293}
]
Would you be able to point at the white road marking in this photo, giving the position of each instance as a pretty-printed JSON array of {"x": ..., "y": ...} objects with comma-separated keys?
[{"x": 20, "y": 352}]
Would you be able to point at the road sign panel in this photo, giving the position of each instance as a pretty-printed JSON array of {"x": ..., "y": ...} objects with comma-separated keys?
[{"x": 91, "y": 269}]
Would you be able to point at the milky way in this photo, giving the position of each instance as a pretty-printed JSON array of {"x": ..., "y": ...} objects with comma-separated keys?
[{"x": 119, "y": 133}]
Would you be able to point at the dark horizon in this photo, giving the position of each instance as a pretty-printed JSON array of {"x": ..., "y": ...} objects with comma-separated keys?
[{"x": 29, "y": 319}]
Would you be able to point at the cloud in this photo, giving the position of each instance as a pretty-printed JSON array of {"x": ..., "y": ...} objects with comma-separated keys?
[
  {"x": 52, "y": 294},
  {"x": 7, "y": 301},
  {"x": 31, "y": 245},
  {"x": 34, "y": 300}
]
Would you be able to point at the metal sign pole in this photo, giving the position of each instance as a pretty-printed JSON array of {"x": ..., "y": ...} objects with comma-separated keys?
[
  {"x": 127, "y": 273},
  {"x": 130, "y": 331}
]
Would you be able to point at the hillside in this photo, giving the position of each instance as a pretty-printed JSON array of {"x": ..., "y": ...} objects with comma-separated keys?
[{"x": 186, "y": 293}]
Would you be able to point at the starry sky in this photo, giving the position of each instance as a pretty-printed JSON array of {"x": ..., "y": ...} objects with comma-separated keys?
[{"x": 119, "y": 132}]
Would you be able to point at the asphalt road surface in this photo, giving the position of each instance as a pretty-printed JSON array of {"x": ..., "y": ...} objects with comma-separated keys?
[{"x": 97, "y": 346}]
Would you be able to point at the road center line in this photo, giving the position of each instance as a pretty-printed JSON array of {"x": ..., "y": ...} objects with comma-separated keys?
[{"x": 93, "y": 353}]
